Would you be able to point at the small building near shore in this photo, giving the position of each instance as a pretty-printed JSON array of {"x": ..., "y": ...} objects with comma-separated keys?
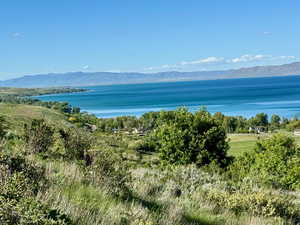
[
  {"x": 257, "y": 130},
  {"x": 91, "y": 127},
  {"x": 297, "y": 132},
  {"x": 139, "y": 132}
]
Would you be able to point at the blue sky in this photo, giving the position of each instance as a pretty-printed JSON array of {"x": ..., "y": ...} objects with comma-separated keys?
[{"x": 145, "y": 35}]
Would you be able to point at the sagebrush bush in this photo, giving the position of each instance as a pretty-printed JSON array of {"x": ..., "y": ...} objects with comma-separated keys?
[
  {"x": 29, "y": 211},
  {"x": 20, "y": 176},
  {"x": 20, "y": 181},
  {"x": 264, "y": 203},
  {"x": 38, "y": 136},
  {"x": 76, "y": 143},
  {"x": 190, "y": 178},
  {"x": 3, "y": 127},
  {"x": 108, "y": 171}
]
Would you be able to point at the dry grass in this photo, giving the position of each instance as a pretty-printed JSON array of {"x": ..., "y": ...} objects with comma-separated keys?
[
  {"x": 18, "y": 114},
  {"x": 153, "y": 202}
]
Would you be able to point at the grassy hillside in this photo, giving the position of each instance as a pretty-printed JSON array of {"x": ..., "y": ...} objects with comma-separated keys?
[
  {"x": 18, "y": 114},
  {"x": 116, "y": 184}
]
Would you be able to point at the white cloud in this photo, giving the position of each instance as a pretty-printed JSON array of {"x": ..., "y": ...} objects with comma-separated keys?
[
  {"x": 180, "y": 65},
  {"x": 267, "y": 33},
  {"x": 249, "y": 58},
  {"x": 219, "y": 61},
  {"x": 211, "y": 59},
  {"x": 16, "y": 35},
  {"x": 86, "y": 67},
  {"x": 149, "y": 68},
  {"x": 166, "y": 66},
  {"x": 287, "y": 57},
  {"x": 114, "y": 71}
]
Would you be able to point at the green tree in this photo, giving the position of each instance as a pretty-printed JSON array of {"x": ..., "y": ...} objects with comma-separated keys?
[
  {"x": 230, "y": 124},
  {"x": 261, "y": 119},
  {"x": 285, "y": 122},
  {"x": 75, "y": 110},
  {"x": 183, "y": 137},
  {"x": 275, "y": 121},
  {"x": 242, "y": 124},
  {"x": 293, "y": 124},
  {"x": 148, "y": 120}
]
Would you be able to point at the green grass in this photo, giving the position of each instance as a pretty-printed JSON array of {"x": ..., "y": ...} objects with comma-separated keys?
[
  {"x": 241, "y": 143},
  {"x": 17, "y": 114},
  {"x": 238, "y": 148},
  {"x": 297, "y": 138}
]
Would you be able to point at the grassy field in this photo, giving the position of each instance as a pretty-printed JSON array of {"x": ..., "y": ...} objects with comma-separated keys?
[{"x": 241, "y": 143}]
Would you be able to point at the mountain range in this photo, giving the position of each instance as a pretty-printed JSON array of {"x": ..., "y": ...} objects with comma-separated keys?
[{"x": 75, "y": 79}]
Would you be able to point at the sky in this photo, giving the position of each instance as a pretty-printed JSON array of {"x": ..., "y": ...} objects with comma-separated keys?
[{"x": 145, "y": 35}]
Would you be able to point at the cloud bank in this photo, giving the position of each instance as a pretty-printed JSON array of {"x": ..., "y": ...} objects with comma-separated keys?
[{"x": 202, "y": 64}]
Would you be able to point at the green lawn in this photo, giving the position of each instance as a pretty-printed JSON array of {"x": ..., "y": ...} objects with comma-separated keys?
[{"x": 240, "y": 143}]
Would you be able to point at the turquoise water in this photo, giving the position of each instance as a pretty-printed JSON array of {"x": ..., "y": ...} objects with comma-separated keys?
[{"x": 245, "y": 97}]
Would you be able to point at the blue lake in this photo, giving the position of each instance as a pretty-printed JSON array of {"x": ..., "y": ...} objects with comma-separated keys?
[{"x": 245, "y": 97}]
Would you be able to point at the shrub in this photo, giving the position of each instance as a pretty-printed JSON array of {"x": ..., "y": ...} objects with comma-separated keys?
[
  {"x": 3, "y": 127},
  {"x": 261, "y": 202},
  {"x": 38, "y": 136},
  {"x": 76, "y": 143},
  {"x": 293, "y": 124},
  {"x": 108, "y": 171},
  {"x": 241, "y": 167},
  {"x": 275, "y": 162},
  {"x": 29, "y": 211},
  {"x": 183, "y": 138},
  {"x": 190, "y": 178},
  {"x": 20, "y": 177},
  {"x": 20, "y": 181},
  {"x": 148, "y": 144}
]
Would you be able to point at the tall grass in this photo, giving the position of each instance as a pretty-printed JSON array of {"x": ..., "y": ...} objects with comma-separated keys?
[{"x": 155, "y": 199}]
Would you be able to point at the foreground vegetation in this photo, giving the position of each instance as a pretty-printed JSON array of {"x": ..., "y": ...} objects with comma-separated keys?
[{"x": 163, "y": 168}]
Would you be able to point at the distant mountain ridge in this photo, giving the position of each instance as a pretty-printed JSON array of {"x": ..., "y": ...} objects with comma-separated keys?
[{"x": 75, "y": 79}]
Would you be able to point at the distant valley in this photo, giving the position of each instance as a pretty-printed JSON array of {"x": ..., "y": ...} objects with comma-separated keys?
[{"x": 75, "y": 79}]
